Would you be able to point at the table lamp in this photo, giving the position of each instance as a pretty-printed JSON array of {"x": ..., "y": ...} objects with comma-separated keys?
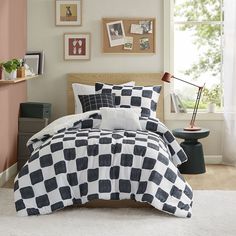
[{"x": 167, "y": 78}]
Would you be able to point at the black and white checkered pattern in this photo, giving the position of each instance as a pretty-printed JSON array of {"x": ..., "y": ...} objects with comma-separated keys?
[
  {"x": 82, "y": 163},
  {"x": 93, "y": 102},
  {"x": 145, "y": 97}
]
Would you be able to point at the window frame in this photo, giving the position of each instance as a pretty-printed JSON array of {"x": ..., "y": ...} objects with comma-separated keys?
[{"x": 169, "y": 67}]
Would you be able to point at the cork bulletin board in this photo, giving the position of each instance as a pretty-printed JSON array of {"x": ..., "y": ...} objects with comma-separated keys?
[{"x": 129, "y": 35}]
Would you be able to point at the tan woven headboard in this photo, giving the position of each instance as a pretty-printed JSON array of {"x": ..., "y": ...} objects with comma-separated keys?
[{"x": 142, "y": 79}]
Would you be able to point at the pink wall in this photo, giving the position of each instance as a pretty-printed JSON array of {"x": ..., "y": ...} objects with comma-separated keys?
[
  {"x": 13, "y": 29},
  {"x": 11, "y": 96},
  {"x": 13, "y": 36}
]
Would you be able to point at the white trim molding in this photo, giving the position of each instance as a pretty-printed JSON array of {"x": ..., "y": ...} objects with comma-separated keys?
[
  {"x": 7, "y": 174},
  {"x": 213, "y": 159},
  {"x": 168, "y": 8}
]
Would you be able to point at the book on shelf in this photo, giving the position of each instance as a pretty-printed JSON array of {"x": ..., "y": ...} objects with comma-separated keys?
[
  {"x": 174, "y": 108},
  {"x": 176, "y": 104}
]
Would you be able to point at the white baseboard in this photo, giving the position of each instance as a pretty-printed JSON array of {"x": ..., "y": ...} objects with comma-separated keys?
[
  {"x": 7, "y": 174},
  {"x": 213, "y": 159}
]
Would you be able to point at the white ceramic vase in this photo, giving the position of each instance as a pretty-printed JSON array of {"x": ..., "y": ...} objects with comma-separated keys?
[
  {"x": 10, "y": 76},
  {"x": 211, "y": 107}
]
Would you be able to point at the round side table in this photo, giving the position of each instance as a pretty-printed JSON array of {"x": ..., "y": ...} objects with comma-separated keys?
[{"x": 193, "y": 149}]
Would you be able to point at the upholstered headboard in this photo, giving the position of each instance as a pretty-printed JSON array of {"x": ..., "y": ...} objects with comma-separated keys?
[{"x": 142, "y": 79}]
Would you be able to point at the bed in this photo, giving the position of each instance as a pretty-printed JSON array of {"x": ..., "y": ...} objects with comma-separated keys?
[{"x": 77, "y": 160}]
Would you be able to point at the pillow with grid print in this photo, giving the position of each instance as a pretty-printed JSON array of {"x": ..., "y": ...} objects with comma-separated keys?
[
  {"x": 145, "y": 97},
  {"x": 120, "y": 118},
  {"x": 83, "y": 89},
  {"x": 96, "y": 101}
]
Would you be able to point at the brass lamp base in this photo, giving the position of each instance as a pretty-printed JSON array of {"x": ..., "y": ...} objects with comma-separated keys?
[{"x": 193, "y": 128}]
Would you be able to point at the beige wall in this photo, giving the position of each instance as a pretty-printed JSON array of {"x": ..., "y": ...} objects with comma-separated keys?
[{"x": 43, "y": 34}]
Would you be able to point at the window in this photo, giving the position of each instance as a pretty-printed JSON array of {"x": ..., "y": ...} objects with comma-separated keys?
[{"x": 197, "y": 27}]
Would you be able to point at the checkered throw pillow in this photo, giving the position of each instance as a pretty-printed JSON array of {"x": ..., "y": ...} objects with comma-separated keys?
[
  {"x": 145, "y": 97},
  {"x": 96, "y": 101}
]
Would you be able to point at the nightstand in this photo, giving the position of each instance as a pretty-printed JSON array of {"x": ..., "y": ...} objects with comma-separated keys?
[
  {"x": 193, "y": 149},
  {"x": 27, "y": 127}
]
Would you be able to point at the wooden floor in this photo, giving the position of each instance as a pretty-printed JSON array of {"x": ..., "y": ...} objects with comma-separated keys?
[{"x": 217, "y": 177}]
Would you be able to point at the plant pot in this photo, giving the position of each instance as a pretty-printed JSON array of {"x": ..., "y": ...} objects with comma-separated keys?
[
  {"x": 211, "y": 107},
  {"x": 10, "y": 76}
]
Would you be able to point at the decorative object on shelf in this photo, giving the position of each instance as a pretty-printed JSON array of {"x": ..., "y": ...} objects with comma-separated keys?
[
  {"x": 35, "y": 62},
  {"x": 77, "y": 46},
  {"x": 167, "y": 78},
  {"x": 69, "y": 13},
  {"x": 21, "y": 69},
  {"x": 129, "y": 35},
  {"x": 10, "y": 69}
]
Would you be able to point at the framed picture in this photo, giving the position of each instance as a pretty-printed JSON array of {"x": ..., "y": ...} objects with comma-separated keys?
[
  {"x": 116, "y": 33},
  {"x": 69, "y": 12},
  {"x": 35, "y": 62},
  {"x": 77, "y": 46}
]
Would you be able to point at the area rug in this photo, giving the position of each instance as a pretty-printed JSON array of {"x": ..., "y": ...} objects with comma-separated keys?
[{"x": 214, "y": 213}]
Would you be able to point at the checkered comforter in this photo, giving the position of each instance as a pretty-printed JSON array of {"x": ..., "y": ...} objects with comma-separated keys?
[{"x": 73, "y": 162}]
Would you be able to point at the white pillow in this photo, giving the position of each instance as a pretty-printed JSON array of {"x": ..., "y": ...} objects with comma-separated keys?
[
  {"x": 82, "y": 89},
  {"x": 120, "y": 118}
]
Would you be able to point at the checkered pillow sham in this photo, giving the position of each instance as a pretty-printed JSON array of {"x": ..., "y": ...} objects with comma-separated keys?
[
  {"x": 96, "y": 101},
  {"x": 145, "y": 97}
]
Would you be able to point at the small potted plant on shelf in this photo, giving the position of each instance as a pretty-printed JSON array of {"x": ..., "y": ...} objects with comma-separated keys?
[
  {"x": 212, "y": 97},
  {"x": 10, "y": 67}
]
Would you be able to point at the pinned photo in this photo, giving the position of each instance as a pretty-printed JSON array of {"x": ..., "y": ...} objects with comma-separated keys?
[
  {"x": 128, "y": 43},
  {"x": 144, "y": 43},
  {"x": 116, "y": 33},
  {"x": 136, "y": 29},
  {"x": 146, "y": 26}
]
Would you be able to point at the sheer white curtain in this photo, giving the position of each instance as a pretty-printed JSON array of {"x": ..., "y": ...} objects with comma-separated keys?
[{"x": 229, "y": 72}]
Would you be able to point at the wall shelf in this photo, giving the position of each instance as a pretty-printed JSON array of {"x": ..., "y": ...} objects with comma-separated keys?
[{"x": 17, "y": 80}]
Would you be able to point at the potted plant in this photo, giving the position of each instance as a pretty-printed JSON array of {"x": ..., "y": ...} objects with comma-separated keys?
[
  {"x": 10, "y": 68},
  {"x": 212, "y": 97}
]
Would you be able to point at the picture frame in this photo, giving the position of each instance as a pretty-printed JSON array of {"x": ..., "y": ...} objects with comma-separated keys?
[
  {"x": 35, "y": 61},
  {"x": 77, "y": 46},
  {"x": 68, "y": 12},
  {"x": 116, "y": 34}
]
